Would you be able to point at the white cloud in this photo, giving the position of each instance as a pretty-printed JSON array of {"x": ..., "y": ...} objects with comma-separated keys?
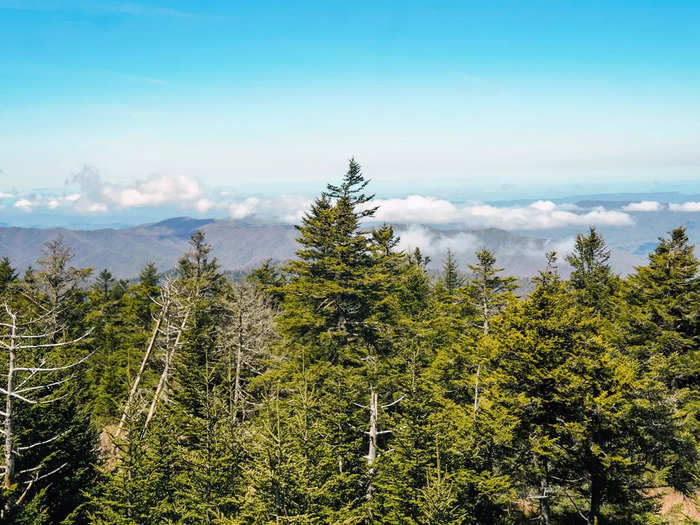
[
  {"x": 686, "y": 207},
  {"x": 538, "y": 215},
  {"x": 241, "y": 210},
  {"x": 203, "y": 205},
  {"x": 97, "y": 195},
  {"x": 286, "y": 208},
  {"x": 24, "y": 204},
  {"x": 6, "y": 195},
  {"x": 643, "y": 206},
  {"x": 435, "y": 244},
  {"x": 95, "y": 207}
]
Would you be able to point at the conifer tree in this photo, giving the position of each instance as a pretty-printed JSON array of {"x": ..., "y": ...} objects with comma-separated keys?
[
  {"x": 662, "y": 320},
  {"x": 450, "y": 273},
  {"x": 48, "y": 440},
  {"x": 270, "y": 279},
  {"x": 104, "y": 282},
  {"x": 7, "y": 274},
  {"x": 488, "y": 292},
  {"x": 592, "y": 279},
  {"x": 340, "y": 306},
  {"x": 664, "y": 297},
  {"x": 592, "y": 433}
]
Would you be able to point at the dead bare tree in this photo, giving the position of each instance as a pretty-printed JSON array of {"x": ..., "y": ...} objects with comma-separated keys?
[
  {"x": 169, "y": 323},
  {"x": 172, "y": 335},
  {"x": 56, "y": 281},
  {"x": 165, "y": 305},
  {"x": 31, "y": 380},
  {"x": 244, "y": 340},
  {"x": 373, "y": 433}
]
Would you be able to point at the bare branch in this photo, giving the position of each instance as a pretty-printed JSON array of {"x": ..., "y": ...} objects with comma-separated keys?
[
  {"x": 54, "y": 369},
  {"x": 24, "y": 381},
  {"x": 38, "y": 444},
  {"x": 37, "y": 478},
  {"x": 53, "y": 345},
  {"x": 394, "y": 402},
  {"x": 39, "y": 387}
]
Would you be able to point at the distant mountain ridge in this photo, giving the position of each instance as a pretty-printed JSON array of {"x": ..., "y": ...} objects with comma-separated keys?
[{"x": 238, "y": 245}]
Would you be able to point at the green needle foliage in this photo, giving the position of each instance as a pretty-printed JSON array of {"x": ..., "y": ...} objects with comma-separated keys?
[{"x": 350, "y": 385}]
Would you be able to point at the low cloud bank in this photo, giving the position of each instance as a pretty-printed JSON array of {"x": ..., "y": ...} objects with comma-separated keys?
[
  {"x": 643, "y": 206},
  {"x": 524, "y": 251},
  {"x": 88, "y": 193},
  {"x": 539, "y": 215},
  {"x": 687, "y": 207},
  {"x": 435, "y": 244},
  {"x": 97, "y": 195}
]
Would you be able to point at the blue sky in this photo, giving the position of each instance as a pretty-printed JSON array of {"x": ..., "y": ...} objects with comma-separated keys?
[{"x": 485, "y": 100}]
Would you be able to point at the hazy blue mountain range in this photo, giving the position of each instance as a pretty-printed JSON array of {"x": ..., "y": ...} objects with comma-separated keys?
[{"x": 241, "y": 245}]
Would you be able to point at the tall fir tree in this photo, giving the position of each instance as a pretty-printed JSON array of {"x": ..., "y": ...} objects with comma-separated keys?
[
  {"x": 451, "y": 278},
  {"x": 592, "y": 278}
]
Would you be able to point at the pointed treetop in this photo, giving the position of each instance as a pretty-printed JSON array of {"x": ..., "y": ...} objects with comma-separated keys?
[
  {"x": 550, "y": 274},
  {"x": 592, "y": 277},
  {"x": 7, "y": 274},
  {"x": 351, "y": 190},
  {"x": 417, "y": 257},
  {"x": 104, "y": 282},
  {"x": 590, "y": 253},
  {"x": 450, "y": 273},
  {"x": 386, "y": 239},
  {"x": 148, "y": 276}
]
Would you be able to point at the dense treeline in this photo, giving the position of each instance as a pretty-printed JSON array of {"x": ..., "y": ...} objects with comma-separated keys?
[{"x": 350, "y": 386}]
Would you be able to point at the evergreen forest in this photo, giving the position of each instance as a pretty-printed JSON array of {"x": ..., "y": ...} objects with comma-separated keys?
[{"x": 350, "y": 385}]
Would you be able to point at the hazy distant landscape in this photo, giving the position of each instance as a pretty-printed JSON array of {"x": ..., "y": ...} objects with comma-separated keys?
[{"x": 241, "y": 244}]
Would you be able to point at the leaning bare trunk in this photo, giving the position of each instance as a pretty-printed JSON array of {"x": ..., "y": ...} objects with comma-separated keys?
[
  {"x": 169, "y": 355},
  {"x": 137, "y": 379}
]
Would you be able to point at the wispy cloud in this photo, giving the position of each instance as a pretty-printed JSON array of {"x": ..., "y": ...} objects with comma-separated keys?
[
  {"x": 643, "y": 206},
  {"x": 98, "y": 195},
  {"x": 688, "y": 207},
  {"x": 95, "y": 195},
  {"x": 536, "y": 216},
  {"x": 24, "y": 204}
]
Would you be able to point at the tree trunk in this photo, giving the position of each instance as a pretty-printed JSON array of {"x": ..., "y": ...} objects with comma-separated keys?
[
  {"x": 9, "y": 458},
  {"x": 373, "y": 435},
  {"x": 137, "y": 379},
  {"x": 596, "y": 499},
  {"x": 476, "y": 389},
  {"x": 485, "y": 330},
  {"x": 544, "y": 503},
  {"x": 238, "y": 395},
  {"x": 485, "y": 308},
  {"x": 169, "y": 354}
]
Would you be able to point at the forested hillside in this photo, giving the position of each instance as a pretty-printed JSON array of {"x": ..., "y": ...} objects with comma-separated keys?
[{"x": 351, "y": 386}]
